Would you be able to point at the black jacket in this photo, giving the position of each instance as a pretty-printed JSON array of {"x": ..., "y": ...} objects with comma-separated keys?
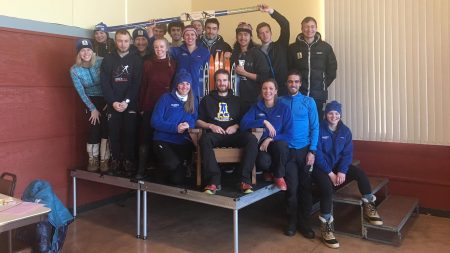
[
  {"x": 317, "y": 64},
  {"x": 120, "y": 78},
  {"x": 255, "y": 62},
  {"x": 220, "y": 111},
  {"x": 277, "y": 53},
  {"x": 219, "y": 45}
]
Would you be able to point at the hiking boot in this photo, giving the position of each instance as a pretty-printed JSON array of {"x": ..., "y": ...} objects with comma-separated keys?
[
  {"x": 246, "y": 188},
  {"x": 104, "y": 166},
  {"x": 280, "y": 183},
  {"x": 93, "y": 164},
  {"x": 211, "y": 189},
  {"x": 370, "y": 212},
  {"x": 326, "y": 229},
  {"x": 114, "y": 167}
]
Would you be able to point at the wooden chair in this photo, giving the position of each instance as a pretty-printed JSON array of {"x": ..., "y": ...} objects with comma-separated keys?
[
  {"x": 8, "y": 183},
  {"x": 223, "y": 154}
]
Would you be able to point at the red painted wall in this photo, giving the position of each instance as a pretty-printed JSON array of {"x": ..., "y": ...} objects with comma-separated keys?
[
  {"x": 416, "y": 170},
  {"x": 42, "y": 130}
]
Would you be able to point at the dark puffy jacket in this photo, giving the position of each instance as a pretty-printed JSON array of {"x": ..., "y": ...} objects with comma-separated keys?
[
  {"x": 317, "y": 64},
  {"x": 219, "y": 45}
]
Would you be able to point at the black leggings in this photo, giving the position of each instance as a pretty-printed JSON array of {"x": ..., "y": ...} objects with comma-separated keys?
[
  {"x": 98, "y": 131},
  {"x": 172, "y": 156},
  {"x": 274, "y": 159},
  {"x": 327, "y": 188}
]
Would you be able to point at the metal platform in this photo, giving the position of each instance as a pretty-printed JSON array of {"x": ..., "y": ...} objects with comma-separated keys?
[
  {"x": 227, "y": 198},
  {"x": 109, "y": 180}
]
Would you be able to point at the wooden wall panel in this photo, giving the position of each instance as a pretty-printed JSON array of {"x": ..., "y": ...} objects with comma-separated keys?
[
  {"x": 43, "y": 128},
  {"x": 416, "y": 170}
]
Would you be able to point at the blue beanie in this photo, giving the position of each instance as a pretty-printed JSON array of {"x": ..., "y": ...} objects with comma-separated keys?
[
  {"x": 183, "y": 76},
  {"x": 333, "y": 106},
  {"x": 101, "y": 27},
  {"x": 140, "y": 32},
  {"x": 83, "y": 43}
]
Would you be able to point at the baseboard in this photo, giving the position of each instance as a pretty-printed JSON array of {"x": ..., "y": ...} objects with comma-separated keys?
[{"x": 435, "y": 212}]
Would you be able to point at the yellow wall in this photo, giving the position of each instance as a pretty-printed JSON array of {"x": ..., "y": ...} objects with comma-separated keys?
[
  {"x": 87, "y": 13},
  {"x": 293, "y": 10}
]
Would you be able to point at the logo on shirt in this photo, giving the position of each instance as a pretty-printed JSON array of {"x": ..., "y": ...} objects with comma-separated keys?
[
  {"x": 325, "y": 137},
  {"x": 121, "y": 74},
  {"x": 223, "y": 114},
  {"x": 174, "y": 105},
  {"x": 319, "y": 53},
  {"x": 299, "y": 55}
]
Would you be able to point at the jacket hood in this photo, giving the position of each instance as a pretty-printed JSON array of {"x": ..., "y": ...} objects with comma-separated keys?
[{"x": 301, "y": 38}]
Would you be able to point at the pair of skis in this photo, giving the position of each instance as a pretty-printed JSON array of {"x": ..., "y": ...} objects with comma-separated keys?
[{"x": 220, "y": 60}]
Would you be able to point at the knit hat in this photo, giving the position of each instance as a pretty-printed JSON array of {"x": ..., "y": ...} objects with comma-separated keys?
[
  {"x": 140, "y": 32},
  {"x": 101, "y": 27},
  {"x": 83, "y": 43},
  {"x": 189, "y": 28},
  {"x": 183, "y": 76},
  {"x": 333, "y": 106},
  {"x": 244, "y": 27}
]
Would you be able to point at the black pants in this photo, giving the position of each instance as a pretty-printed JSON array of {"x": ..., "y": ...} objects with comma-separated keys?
[
  {"x": 122, "y": 127},
  {"x": 209, "y": 141},
  {"x": 320, "y": 105},
  {"x": 327, "y": 188},
  {"x": 298, "y": 194},
  {"x": 99, "y": 130},
  {"x": 274, "y": 159},
  {"x": 172, "y": 157}
]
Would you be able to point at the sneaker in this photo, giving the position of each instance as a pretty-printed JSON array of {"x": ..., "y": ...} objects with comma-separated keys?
[
  {"x": 93, "y": 164},
  {"x": 370, "y": 212},
  {"x": 268, "y": 176},
  {"x": 246, "y": 188},
  {"x": 104, "y": 167},
  {"x": 211, "y": 189},
  {"x": 326, "y": 229},
  {"x": 280, "y": 183}
]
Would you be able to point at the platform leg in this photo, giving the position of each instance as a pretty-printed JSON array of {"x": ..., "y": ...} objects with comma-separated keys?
[
  {"x": 145, "y": 216},
  {"x": 235, "y": 231},
  {"x": 138, "y": 213},
  {"x": 74, "y": 183}
]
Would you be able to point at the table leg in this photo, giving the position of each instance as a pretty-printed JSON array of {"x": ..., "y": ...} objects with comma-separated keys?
[
  {"x": 235, "y": 231},
  {"x": 145, "y": 216},
  {"x": 10, "y": 242},
  {"x": 74, "y": 183},
  {"x": 138, "y": 214}
]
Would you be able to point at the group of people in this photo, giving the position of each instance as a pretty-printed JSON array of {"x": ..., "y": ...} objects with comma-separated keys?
[{"x": 142, "y": 89}]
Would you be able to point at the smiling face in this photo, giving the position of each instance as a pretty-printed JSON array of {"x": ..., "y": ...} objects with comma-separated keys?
[
  {"x": 158, "y": 32},
  {"x": 269, "y": 91},
  {"x": 175, "y": 33},
  {"x": 161, "y": 48},
  {"x": 333, "y": 118},
  {"x": 190, "y": 38},
  {"x": 183, "y": 88},
  {"x": 309, "y": 30},
  {"x": 100, "y": 36},
  {"x": 293, "y": 84},
  {"x": 222, "y": 83},
  {"x": 86, "y": 54},
  {"x": 141, "y": 43},
  {"x": 243, "y": 38},
  {"x": 198, "y": 26}
]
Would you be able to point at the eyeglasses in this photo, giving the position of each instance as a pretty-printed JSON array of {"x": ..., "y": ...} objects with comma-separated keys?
[{"x": 293, "y": 81}]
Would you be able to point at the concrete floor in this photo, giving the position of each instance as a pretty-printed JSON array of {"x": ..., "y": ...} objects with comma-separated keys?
[{"x": 178, "y": 226}]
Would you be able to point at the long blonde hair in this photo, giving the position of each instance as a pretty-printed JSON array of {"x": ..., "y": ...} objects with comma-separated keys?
[
  {"x": 79, "y": 61},
  {"x": 189, "y": 106}
]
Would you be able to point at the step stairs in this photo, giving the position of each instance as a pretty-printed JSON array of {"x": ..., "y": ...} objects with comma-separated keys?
[{"x": 398, "y": 213}]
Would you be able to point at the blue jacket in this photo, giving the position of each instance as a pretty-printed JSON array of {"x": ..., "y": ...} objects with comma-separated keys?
[
  {"x": 194, "y": 63},
  {"x": 279, "y": 116},
  {"x": 87, "y": 82},
  {"x": 305, "y": 121},
  {"x": 168, "y": 113},
  {"x": 41, "y": 191},
  {"x": 335, "y": 150}
]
